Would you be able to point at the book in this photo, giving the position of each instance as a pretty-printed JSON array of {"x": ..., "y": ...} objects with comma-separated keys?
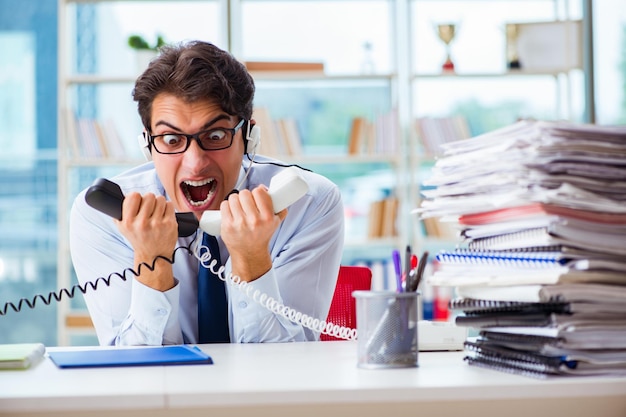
[
  {"x": 471, "y": 276},
  {"x": 136, "y": 356},
  {"x": 509, "y": 320},
  {"x": 587, "y": 292},
  {"x": 375, "y": 219},
  {"x": 71, "y": 134},
  {"x": 382, "y": 218},
  {"x": 390, "y": 217},
  {"x": 569, "y": 334},
  {"x": 20, "y": 355},
  {"x": 535, "y": 209},
  {"x": 546, "y": 345},
  {"x": 358, "y": 135},
  {"x": 290, "y": 136},
  {"x": 472, "y": 306},
  {"x": 284, "y": 66},
  {"x": 467, "y": 267},
  {"x": 270, "y": 140},
  {"x": 554, "y": 235}
]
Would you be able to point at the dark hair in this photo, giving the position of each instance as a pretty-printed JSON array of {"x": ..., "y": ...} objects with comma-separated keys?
[{"x": 195, "y": 71}]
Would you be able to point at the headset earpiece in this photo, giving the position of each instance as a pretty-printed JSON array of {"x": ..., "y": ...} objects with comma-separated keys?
[
  {"x": 144, "y": 145},
  {"x": 254, "y": 139}
]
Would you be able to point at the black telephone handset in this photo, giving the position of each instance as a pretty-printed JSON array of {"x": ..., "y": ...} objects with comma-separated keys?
[{"x": 107, "y": 197}]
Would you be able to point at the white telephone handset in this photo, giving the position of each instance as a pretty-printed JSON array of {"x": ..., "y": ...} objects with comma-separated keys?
[{"x": 285, "y": 188}]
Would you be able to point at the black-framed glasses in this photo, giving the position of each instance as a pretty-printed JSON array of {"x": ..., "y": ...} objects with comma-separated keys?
[{"x": 208, "y": 140}]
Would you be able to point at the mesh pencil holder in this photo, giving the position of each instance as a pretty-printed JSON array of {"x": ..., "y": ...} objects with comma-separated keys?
[{"x": 387, "y": 329}]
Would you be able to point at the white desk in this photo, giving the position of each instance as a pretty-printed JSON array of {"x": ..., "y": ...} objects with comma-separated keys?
[{"x": 303, "y": 379}]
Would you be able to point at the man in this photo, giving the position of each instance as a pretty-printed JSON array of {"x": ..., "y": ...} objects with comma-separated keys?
[{"x": 195, "y": 102}]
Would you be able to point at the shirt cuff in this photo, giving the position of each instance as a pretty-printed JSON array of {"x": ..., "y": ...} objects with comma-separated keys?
[
  {"x": 246, "y": 310},
  {"x": 153, "y": 316}
]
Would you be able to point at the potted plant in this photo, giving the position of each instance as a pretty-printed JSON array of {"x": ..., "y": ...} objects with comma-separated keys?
[{"x": 144, "y": 52}]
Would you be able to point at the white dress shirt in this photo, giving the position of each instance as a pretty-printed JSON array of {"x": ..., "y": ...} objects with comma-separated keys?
[{"x": 306, "y": 252}]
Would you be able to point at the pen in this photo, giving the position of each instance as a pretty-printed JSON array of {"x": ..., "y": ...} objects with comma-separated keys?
[
  {"x": 420, "y": 269},
  {"x": 411, "y": 278},
  {"x": 407, "y": 264},
  {"x": 396, "y": 264},
  {"x": 411, "y": 283}
]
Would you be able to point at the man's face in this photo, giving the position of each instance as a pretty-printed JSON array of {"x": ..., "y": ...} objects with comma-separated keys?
[{"x": 196, "y": 180}]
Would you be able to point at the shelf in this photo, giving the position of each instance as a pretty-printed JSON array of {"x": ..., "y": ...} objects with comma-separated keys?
[
  {"x": 521, "y": 73},
  {"x": 303, "y": 159},
  {"x": 316, "y": 76},
  {"x": 102, "y": 162},
  {"x": 258, "y": 76},
  {"x": 340, "y": 158},
  {"x": 99, "y": 79}
]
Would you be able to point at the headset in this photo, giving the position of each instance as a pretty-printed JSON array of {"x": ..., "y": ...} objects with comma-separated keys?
[{"x": 252, "y": 141}]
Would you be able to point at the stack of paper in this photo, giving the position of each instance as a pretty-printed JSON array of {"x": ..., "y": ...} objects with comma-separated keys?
[{"x": 540, "y": 208}]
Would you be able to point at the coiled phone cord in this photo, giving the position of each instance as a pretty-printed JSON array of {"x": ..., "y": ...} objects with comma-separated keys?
[
  {"x": 202, "y": 253},
  {"x": 204, "y": 256}
]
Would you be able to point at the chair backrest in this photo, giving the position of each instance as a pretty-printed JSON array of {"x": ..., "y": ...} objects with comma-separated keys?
[{"x": 343, "y": 306}]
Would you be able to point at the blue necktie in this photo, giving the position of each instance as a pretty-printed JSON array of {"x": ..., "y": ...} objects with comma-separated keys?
[{"x": 212, "y": 303}]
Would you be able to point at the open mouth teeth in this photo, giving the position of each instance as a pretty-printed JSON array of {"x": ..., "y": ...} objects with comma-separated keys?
[{"x": 198, "y": 193}]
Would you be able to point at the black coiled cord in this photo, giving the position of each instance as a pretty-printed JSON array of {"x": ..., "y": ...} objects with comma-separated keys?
[
  {"x": 88, "y": 286},
  {"x": 204, "y": 256}
]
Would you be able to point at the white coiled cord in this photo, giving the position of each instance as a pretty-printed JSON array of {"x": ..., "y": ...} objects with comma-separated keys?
[{"x": 204, "y": 256}]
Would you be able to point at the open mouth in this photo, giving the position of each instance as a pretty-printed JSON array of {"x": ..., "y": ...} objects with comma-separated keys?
[{"x": 198, "y": 193}]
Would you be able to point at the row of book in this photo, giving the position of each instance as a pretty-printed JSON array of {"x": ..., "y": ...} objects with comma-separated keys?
[
  {"x": 279, "y": 137},
  {"x": 540, "y": 271},
  {"x": 282, "y": 137},
  {"x": 433, "y": 132},
  {"x": 93, "y": 138},
  {"x": 435, "y": 228},
  {"x": 371, "y": 137},
  {"x": 382, "y": 218}
]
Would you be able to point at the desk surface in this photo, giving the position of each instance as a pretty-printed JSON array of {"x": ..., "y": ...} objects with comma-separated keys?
[{"x": 314, "y": 378}]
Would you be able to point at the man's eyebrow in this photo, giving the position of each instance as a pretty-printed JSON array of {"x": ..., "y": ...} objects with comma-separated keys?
[{"x": 204, "y": 127}]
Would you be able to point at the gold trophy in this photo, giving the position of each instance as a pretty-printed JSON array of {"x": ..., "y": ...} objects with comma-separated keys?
[{"x": 446, "y": 32}]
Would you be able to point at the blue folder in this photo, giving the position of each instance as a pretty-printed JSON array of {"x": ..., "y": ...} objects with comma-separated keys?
[{"x": 143, "y": 356}]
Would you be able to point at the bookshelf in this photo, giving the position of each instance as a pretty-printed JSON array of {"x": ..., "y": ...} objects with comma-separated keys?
[{"x": 326, "y": 77}]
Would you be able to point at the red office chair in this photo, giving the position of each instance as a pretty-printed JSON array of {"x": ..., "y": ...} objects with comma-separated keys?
[{"x": 343, "y": 306}]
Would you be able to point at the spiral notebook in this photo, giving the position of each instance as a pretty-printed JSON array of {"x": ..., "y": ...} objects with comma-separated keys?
[
  {"x": 139, "y": 356},
  {"x": 552, "y": 237},
  {"x": 472, "y": 307},
  {"x": 475, "y": 307},
  {"x": 471, "y": 267},
  {"x": 485, "y": 354}
]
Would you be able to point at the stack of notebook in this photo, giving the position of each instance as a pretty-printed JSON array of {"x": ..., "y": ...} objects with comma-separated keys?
[{"x": 540, "y": 271}]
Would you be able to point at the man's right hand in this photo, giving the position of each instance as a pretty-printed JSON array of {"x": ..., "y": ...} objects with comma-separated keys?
[{"x": 149, "y": 224}]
